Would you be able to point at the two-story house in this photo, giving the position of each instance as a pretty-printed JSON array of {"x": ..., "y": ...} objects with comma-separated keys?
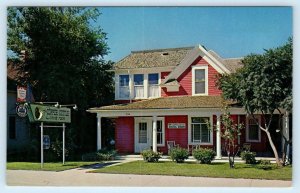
[{"x": 170, "y": 95}]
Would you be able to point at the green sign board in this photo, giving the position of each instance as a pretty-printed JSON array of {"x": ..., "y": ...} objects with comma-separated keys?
[{"x": 46, "y": 113}]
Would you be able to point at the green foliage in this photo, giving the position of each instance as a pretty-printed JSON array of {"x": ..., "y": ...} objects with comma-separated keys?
[
  {"x": 100, "y": 155},
  {"x": 151, "y": 156},
  {"x": 204, "y": 155},
  {"x": 265, "y": 164},
  {"x": 265, "y": 81},
  {"x": 63, "y": 62},
  {"x": 179, "y": 154},
  {"x": 249, "y": 157}
]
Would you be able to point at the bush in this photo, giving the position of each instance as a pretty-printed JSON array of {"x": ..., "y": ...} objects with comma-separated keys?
[
  {"x": 179, "y": 154},
  {"x": 249, "y": 157},
  {"x": 151, "y": 156},
  {"x": 204, "y": 155},
  {"x": 100, "y": 155},
  {"x": 265, "y": 165}
]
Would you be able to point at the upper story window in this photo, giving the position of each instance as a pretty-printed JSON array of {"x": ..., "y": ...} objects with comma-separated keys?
[
  {"x": 153, "y": 85},
  {"x": 200, "y": 80},
  {"x": 138, "y": 85},
  {"x": 253, "y": 130},
  {"x": 124, "y": 86}
]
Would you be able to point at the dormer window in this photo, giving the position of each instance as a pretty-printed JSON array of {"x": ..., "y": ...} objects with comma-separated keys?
[
  {"x": 138, "y": 86},
  {"x": 200, "y": 80},
  {"x": 153, "y": 85},
  {"x": 124, "y": 86}
]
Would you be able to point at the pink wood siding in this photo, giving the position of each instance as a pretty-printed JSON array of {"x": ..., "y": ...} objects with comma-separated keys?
[
  {"x": 124, "y": 134},
  {"x": 185, "y": 80}
]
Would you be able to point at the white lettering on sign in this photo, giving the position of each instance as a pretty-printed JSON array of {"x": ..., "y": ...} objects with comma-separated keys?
[{"x": 176, "y": 125}]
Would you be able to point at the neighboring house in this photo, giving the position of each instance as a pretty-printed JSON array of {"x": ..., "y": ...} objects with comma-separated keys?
[
  {"x": 170, "y": 95},
  {"x": 18, "y": 135}
]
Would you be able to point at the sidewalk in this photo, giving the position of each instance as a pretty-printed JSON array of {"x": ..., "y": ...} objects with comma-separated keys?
[{"x": 80, "y": 177}]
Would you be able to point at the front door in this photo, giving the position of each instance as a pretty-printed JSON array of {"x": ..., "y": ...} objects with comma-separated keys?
[{"x": 142, "y": 134}]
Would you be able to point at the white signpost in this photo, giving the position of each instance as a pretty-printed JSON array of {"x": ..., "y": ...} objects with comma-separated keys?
[{"x": 44, "y": 113}]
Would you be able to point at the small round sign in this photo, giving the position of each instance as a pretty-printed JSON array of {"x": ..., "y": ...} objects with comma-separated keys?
[{"x": 21, "y": 110}]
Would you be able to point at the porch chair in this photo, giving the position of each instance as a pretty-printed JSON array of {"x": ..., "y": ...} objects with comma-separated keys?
[{"x": 171, "y": 145}]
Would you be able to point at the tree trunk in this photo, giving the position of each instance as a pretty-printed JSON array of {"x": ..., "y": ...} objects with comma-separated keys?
[{"x": 273, "y": 148}]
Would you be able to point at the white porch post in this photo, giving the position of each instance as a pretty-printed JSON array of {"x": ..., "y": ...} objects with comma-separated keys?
[
  {"x": 98, "y": 131},
  {"x": 218, "y": 133},
  {"x": 154, "y": 137}
]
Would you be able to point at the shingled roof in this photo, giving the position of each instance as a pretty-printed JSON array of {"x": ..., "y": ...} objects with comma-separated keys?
[
  {"x": 232, "y": 64},
  {"x": 177, "y": 102},
  {"x": 153, "y": 58}
]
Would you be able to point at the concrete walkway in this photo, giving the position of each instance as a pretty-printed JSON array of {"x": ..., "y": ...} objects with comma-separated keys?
[{"x": 81, "y": 177}]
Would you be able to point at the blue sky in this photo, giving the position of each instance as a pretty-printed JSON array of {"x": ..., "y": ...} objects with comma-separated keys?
[{"x": 230, "y": 31}]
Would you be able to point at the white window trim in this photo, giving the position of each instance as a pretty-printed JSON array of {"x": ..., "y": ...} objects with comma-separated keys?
[
  {"x": 190, "y": 130},
  {"x": 117, "y": 83},
  {"x": 159, "y": 88},
  {"x": 247, "y": 130},
  {"x": 163, "y": 130},
  {"x": 193, "y": 80},
  {"x": 131, "y": 86}
]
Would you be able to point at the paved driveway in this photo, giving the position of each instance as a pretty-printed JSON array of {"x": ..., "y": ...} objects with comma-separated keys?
[{"x": 80, "y": 177}]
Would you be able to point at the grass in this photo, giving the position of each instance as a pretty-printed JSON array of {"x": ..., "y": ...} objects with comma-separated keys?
[
  {"x": 52, "y": 166},
  {"x": 221, "y": 170}
]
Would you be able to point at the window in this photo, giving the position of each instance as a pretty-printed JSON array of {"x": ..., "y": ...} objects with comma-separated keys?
[
  {"x": 153, "y": 85},
  {"x": 200, "y": 80},
  {"x": 12, "y": 127},
  {"x": 138, "y": 85},
  {"x": 124, "y": 86},
  {"x": 160, "y": 133},
  {"x": 200, "y": 132},
  {"x": 253, "y": 130}
]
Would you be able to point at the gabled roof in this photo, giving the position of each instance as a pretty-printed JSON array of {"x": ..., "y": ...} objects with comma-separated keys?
[
  {"x": 232, "y": 64},
  {"x": 153, "y": 58},
  {"x": 191, "y": 57},
  {"x": 176, "y": 102}
]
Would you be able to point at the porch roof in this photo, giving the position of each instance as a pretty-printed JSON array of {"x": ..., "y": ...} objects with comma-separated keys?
[{"x": 176, "y": 102}]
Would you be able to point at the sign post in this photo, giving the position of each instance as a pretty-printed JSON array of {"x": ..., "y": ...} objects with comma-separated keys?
[
  {"x": 45, "y": 113},
  {"x": 42, "y": 145}
]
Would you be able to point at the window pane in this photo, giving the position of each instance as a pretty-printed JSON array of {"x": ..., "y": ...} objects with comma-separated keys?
[
  {"x": 124, "y": 92},
  {"x": 138, "y": 91},
  {"x": 199, "y": 75},
  {"x": 159, "y": 126},
  {"x": 196, "y": 133},
  {"x": 153, "y": 79},
  {"x": 205, "y": 133},
  {"x": 199, "y": 87},
  {"x": 200, "y": 119},
  {"x": 138, "y": 79},
  {"x": 253, "y": 132},
  {"x": 142, "y": 132},
  {"x": 153, "y": 91},
  {"x": 124, "y": 80}
]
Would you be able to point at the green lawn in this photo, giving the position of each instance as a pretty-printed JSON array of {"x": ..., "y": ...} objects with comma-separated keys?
[
  {"x": 52, "y": 166},
  {"x": 199, "y": 170}
]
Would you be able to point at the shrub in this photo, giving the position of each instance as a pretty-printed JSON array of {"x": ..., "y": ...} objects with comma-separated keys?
[
  {"x": 249, "y": 157},
  {"x": 265, "y": 165},
  {"x": 204, "y": 155},
  {"x": 100, "y": 155},
  {"x": 179, "y": 154},
  {"x": 151, "y": 156}
]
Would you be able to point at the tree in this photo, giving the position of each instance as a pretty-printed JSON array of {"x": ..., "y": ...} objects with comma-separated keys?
[
  {"x": 63, "y": 59},
  {"x": 263, "y": 85},
  {"x": 230, "y": 132}
]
